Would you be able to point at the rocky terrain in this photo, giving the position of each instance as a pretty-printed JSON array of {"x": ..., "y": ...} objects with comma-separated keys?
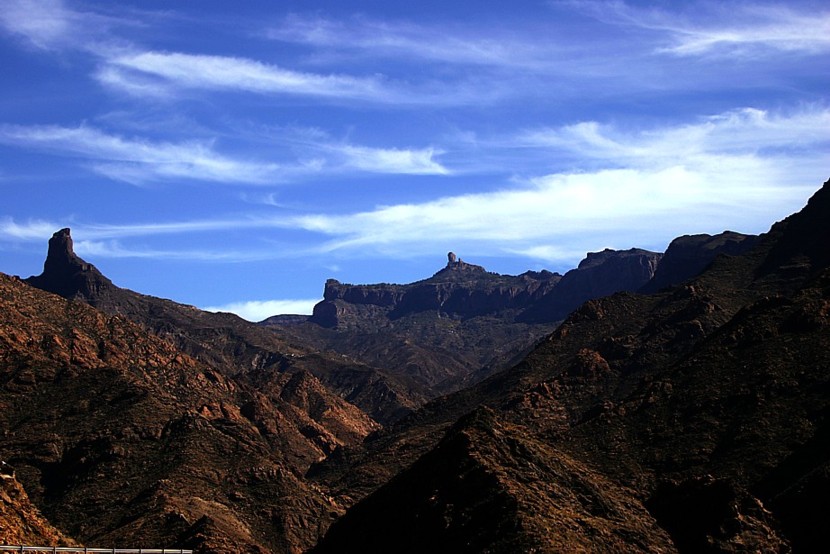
[
  {"x": 20, "y": 520},
  {"x": 462, "y": 324},
  {"x": 693, "y": 418},
  {"x": 120, "y": 438},
  {"x": 237, "y": 348},
  {"x": 705, "y": 407}
]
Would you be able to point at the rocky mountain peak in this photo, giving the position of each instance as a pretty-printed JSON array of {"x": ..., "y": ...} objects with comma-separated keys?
[
  {"x": 61, "y": 251},
  {"x": 457, "y": 269},
  {"x": 66, "y": 274}
]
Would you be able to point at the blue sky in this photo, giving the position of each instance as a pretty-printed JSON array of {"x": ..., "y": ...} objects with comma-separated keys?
[{"x": 235, "y": 155}]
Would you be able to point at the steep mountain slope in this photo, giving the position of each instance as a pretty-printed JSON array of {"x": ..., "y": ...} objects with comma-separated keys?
[
  {"x": 488, "y": 486},
  {"x": 707, "y": 405},
  {"x": 120, "y": 438},
  {"x": 20, "y": 521},
  {"x": 237, "y": 348}
]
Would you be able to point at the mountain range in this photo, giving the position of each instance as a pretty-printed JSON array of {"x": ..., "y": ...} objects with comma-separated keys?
[{"x": 639, "y": 402}]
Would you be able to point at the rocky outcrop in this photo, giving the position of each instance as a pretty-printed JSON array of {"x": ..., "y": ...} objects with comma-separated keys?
[
  {"x": 462, "y": 290},
  {"x": 67, "y": 275},
  {"x": 459, "y": 290},
  {"x": 464, "y": 323},
  {"x": 432, "y": 336},
  {"x": 20, "y": 520},
  {"x": 689, "y": 255},
  {"x": 598, "y": 275}
]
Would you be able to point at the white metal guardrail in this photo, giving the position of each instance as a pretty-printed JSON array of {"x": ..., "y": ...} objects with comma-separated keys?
[{"x": 76, "y": 550}]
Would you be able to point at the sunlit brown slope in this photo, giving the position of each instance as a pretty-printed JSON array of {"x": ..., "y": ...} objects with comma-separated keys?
[
  {"x": 20, "y": 520},
  {"x": 119, "y": 438}
]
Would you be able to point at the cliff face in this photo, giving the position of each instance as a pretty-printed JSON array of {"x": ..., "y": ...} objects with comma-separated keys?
[
  {"x": 463, "y": 323},
  {"x": 463, "y": 290},
  {"x": 688, "y": 255},
  {"x": 459, "y": 290},
  {"x": 599, "y": 274}
]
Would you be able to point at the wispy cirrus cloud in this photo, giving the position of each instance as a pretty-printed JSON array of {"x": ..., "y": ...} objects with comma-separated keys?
[
  {"x": 783, "y": 138},
  {"x": 52, "y": 25},
  {"x": 374, "y": 38},
  {"x": 741, "y": 169},
  {"x": 736, "y": 131},
  {"x": 391, "y": 160},
  {"x": 115, "y": 249},
  {"x": 98, "y": 241},
  {"x": 145, "y": 73},
  {"x": 722, "y": 29},
  {"x": 167, "y": 74},
  {"x": 136, "y": 71},
  {"x": 139, "y": 160},
  {"x": 32, "y": 230},
  {"x": 733, "y": 169},
  {"x": 42, "y": 23}
]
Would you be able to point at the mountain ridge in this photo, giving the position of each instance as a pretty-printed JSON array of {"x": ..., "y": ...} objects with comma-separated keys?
[
  {"x": 692, "y": 419},
  {"x": 709, "y": 400}
]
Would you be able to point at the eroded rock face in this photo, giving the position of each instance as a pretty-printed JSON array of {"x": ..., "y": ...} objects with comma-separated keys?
[
  {"x": 66, "y": 274},
  {"x": 463, "y": 323},
  {"x": 459, "y": 290},
  {"x": 599, "y": 274},
  {"x": 688, "y": 255},
  {"x": 464, "y": 290}
]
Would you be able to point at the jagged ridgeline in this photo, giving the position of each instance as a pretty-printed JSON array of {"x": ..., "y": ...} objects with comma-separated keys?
[{"x": 639, "y": 402}]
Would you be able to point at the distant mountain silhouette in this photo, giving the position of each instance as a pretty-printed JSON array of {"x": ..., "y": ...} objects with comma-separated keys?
[{"x": 462, "y": 324}]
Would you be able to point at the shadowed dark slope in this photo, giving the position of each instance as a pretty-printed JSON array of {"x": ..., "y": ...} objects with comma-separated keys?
[{"x": 708, "y": 402}]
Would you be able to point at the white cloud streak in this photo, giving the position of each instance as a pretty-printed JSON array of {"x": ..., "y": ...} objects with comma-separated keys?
[
  {"x": 722, "y": 29},
  {"x": 391, "y": 39},
  {"x": 746, "y": 131},
  {"x": 741, "y": 169},
  {"x": 192, "y": 71},
  {"x": 391, "y": 160},
  {"x": 137, "y": 161},
  {"x": 258, "y": 310},
  {"x": 114, "y": 249},
  {"x": 42, "y": 23}
]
